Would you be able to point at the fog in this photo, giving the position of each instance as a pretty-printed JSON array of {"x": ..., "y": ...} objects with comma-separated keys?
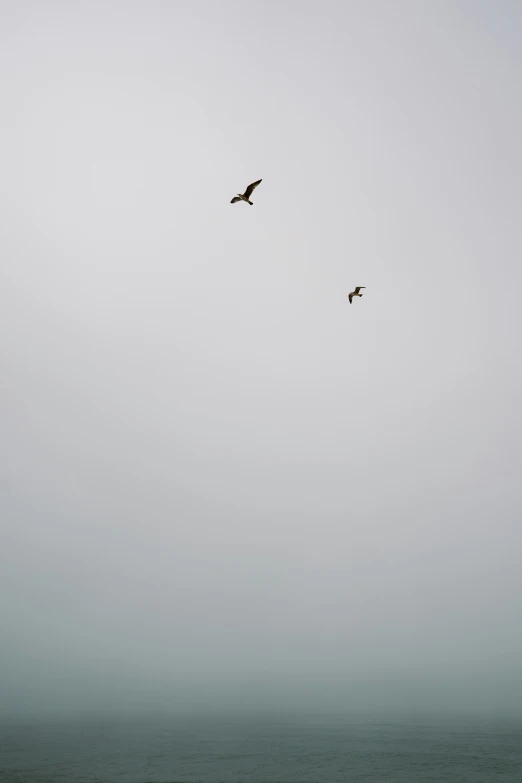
[{"x": 223, "y": 486}]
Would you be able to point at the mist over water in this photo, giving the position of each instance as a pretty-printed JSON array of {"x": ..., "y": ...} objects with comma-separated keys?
[{"x": 224, "y": 489}]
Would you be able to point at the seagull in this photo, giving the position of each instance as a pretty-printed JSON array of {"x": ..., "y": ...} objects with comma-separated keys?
[
  {"x": 246, "y": 195},
  {"x": 355, "y": 293}
]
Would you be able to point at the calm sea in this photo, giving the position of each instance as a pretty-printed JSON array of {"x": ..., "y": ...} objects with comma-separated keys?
[{"x": 290, "y": 750}]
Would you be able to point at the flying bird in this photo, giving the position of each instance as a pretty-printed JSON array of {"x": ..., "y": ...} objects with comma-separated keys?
[
  {"x": 355, "y": 293},
  {"x": 246, "y": 195}
]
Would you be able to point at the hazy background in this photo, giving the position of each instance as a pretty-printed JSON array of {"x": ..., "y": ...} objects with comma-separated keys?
[{"x": 222, "y": 485}]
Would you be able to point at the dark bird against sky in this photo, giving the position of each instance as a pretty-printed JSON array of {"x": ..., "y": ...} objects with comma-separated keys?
[
  {"x": 355, "y": 293},
  {"x": 246, "y": 195}
]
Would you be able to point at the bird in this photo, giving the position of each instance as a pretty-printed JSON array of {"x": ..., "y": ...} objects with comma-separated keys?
[
  {"x": 246, "y": 195},
  {"x": 355, "y": 293}
]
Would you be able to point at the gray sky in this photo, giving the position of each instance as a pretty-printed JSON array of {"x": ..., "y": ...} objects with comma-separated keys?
[{"x": 222, "y": 484}]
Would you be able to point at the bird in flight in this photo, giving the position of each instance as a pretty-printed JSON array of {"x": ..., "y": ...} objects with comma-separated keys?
[
  {"x": 246, "y": 195},
  {"x": 355, "y": 293}
]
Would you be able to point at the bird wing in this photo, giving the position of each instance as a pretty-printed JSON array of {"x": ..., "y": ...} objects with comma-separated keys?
[
  {"x": 350, "y": 298},
  {"x": 248, "y": 192},
  {"x": 359, "y": 288},
  {"x": 236, "y": 198}
]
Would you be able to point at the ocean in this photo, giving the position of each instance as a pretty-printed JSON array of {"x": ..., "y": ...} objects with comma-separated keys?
[{"x": 262, "y": 750}]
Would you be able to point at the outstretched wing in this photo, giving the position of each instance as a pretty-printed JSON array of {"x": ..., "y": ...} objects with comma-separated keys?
[
  {"x": 236, "y": 198},
  {"x": 350, "y": 298},
  {"x": 358, "y": 288},
  {"x": 248, "y": 192}
]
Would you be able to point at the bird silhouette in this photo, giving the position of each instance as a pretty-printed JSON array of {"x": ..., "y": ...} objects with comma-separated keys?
[
  {"x": 246, "y": 195},
  {"x": 355, "y": 293}
]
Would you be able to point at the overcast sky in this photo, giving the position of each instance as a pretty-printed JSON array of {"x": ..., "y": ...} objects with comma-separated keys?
[{"x": 222, "y": 484}]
